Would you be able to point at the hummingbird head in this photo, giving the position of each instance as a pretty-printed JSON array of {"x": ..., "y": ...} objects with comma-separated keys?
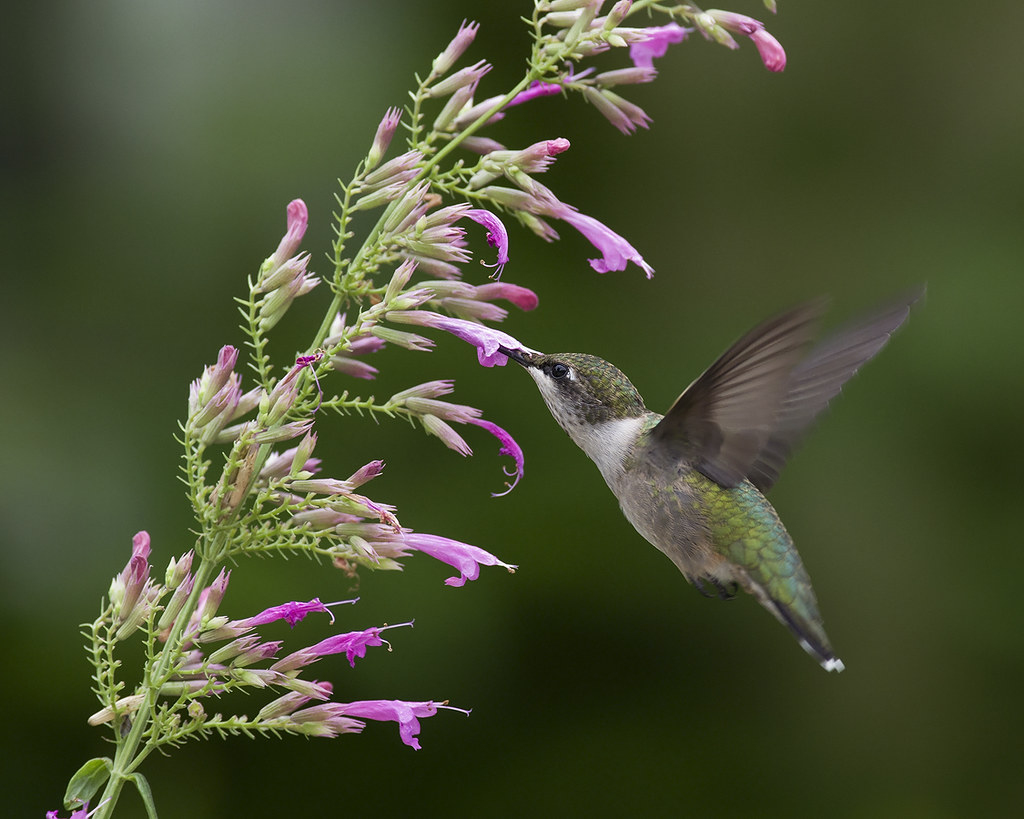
[{"x": 581, "y": 390}]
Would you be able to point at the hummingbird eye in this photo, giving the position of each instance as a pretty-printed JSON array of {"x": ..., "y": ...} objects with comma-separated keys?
[{"x": 559, "y": 370}]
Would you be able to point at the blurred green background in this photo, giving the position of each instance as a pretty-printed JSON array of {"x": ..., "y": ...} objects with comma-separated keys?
[{"x": 149, "y": 150}]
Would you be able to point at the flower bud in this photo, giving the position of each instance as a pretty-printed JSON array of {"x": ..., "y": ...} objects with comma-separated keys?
[
  {"x": 456, "y": 48},
  {"x": 382, "y": 139}
]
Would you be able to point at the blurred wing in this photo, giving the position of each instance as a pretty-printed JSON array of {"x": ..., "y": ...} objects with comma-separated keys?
[
  {"x": 724, "y": 418},
  {"x": 818, "y": 379}
]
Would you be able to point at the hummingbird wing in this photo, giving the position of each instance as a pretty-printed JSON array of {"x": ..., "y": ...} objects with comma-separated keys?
[
  {"x": 818, "y": 379},
  {"x": 725, "y": 418}
]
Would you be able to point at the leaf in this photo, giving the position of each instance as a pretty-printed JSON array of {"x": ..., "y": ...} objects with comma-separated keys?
[
  {"x": 142, "y": 784},
  {"x": 86, "y": 781}
]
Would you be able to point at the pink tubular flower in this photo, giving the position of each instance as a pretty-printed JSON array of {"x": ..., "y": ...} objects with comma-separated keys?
[
  {"x": 522, "y": 297},
  {"x": 131, "y": 582},
  {"x": 463, "y": 557},
  {"x": 508, "y": 447},
  {"x": 486, "y": 339},
  {"x": 659, "y": 38},
  {"x": 291, "y": 612},
  {"x": 80, "y": 813},
  {"x": 616, "y": 252},
  {"x": 352, "y": 644},
  {"x": 404, "y": 713},
  {"x": 298, "y": 221},
  {"x": 538, "y": 157},
  {"x": 536, "y": 89},
  {"x": 772, "y": 54},
  {"x": 497, "y": 236}
]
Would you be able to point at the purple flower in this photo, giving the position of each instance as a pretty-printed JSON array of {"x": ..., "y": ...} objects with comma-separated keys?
[
  {"x": 131, "y": 582},
  {"x": 772, "y": 54},
  {"x": 659, "y": 38},
  {"x": 365, "y": 473},
  {"x": 536, "y": 89},
  {"x": 404, "y": 713},
  {"x": 616, "y": 252},
  {"x": 352, "y": 644},
  {"x": 463, "y": 557},
  {"x": 291, "y": 612},
  {"x": 486, "y": 339},
  {"x": 83, "y": 812},
  {"x": 497, "y": 236},
  {"x": 522, "y": 297},
  {"x": 508, "y": 447}
]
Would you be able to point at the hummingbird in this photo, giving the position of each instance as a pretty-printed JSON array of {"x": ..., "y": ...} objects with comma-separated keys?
[{"x": 692, "y": 481}]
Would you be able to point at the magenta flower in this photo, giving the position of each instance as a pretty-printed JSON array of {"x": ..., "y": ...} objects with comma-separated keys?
[
  {"x": 486, "y": 339},
  {"x": 616, "y": 252},
  {"x": 291, "y": 612},
  {"x": 522, "y": 297},
  {"x": 772, "y": 54},
  {"x": 83, "y": 811},
  {"x": 538, "y": 157},
  {"x": 352, "y": 644},
  {"x": 365, "y": 473},
  {"x": 463, "y": 557},
  {"x": 508, "y": 447},
  {"x": 497, "y": 236},
  {"x": 659, "y": 38},
  {"x": 404, "y": 713},
  {"x": 536, "y": 89},
  {"x": 131, "y": 583}
]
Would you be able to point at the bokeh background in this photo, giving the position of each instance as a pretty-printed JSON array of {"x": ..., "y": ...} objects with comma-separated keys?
[{"x": 148, "y": 152}]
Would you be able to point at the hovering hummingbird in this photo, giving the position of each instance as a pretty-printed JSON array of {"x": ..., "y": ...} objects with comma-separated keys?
[{"x": 691, "y": 481}]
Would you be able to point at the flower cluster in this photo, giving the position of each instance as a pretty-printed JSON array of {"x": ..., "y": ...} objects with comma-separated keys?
[{"x": 221, "y": 655}]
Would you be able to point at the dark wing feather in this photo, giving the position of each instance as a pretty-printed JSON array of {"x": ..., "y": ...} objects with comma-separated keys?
[
  {"x": 726, "y": 417},
  {"x": 818, "y": 379}
]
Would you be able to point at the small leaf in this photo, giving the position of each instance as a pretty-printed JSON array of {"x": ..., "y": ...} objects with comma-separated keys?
[
  {"x": 142, "y": 784},
  {"x": 87, "y": 780}
]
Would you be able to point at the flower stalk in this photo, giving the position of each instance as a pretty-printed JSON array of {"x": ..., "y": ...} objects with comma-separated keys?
[{"x": 253, "y": 421}]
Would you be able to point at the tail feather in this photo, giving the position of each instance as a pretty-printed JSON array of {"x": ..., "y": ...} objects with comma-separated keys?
[{"x": 812, "y": 643}]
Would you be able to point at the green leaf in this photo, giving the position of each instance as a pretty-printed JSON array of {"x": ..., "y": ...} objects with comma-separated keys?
[
  {"x": 87, "y": 780},
  {"x": 142, "y": 784}
]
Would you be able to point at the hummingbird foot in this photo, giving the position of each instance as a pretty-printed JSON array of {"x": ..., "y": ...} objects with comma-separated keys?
[{"x": 722, "y": 591}]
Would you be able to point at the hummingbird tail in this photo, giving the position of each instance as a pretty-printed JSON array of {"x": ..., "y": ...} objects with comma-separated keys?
[{"x": 812, "y": 639}]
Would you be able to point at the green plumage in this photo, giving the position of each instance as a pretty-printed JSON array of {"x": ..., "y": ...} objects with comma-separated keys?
[{"x": 746, "y": 530}]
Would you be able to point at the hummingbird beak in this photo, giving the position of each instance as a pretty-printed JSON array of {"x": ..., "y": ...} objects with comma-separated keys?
[{"x": 517, "y": 356}]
